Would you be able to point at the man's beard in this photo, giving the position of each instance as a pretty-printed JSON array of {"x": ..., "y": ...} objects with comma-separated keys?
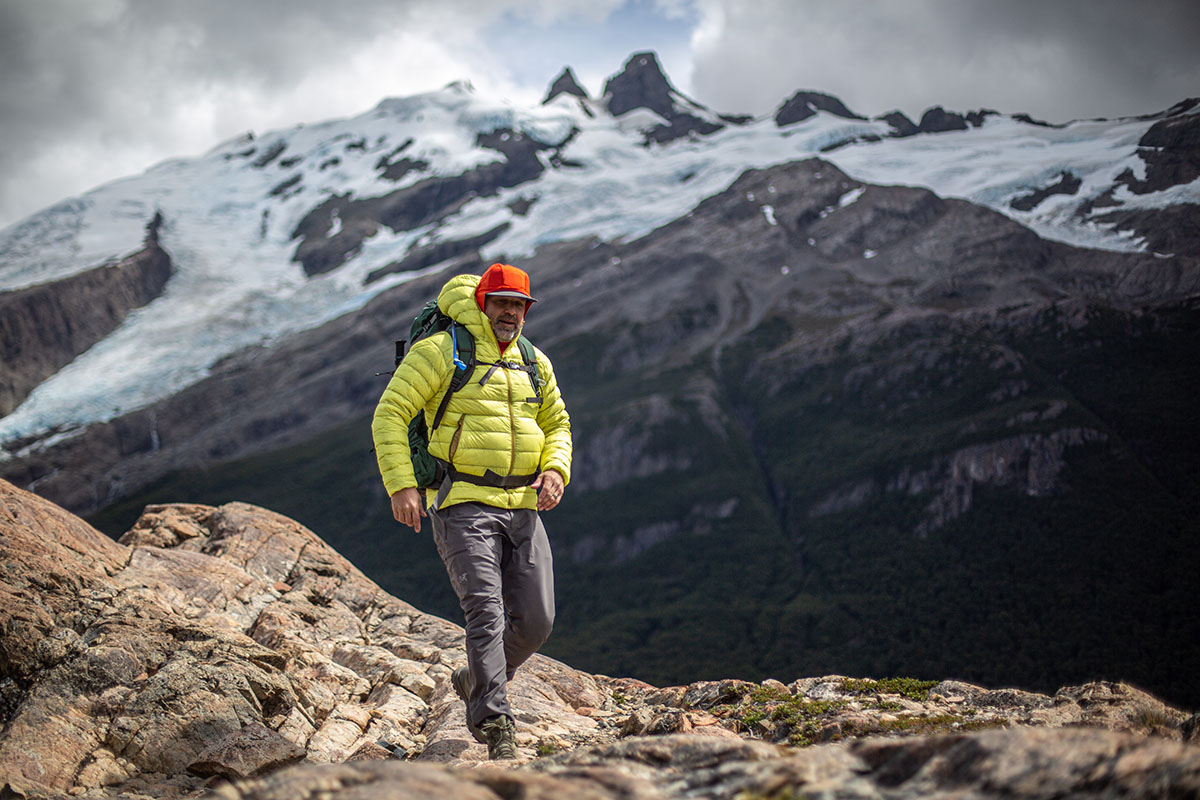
[{"x": 506, "y": 334}]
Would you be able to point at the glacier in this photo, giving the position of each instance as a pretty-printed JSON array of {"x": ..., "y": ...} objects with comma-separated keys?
[{"x": 230, "y": 215}]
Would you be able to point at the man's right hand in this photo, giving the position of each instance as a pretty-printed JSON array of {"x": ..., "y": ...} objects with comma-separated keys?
[{"x": 407, "y": 507}]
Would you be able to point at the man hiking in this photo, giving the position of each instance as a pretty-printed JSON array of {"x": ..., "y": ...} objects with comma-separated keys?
[{"x": 504, "y": 442}]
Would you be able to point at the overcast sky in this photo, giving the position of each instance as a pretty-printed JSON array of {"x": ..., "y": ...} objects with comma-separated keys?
[{"x": 92, "y": 90}]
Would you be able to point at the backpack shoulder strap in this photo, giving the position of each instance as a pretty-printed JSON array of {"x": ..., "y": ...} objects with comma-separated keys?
[
  {"x": 529, "y": 356},
  {"x": 527, "y": 353},
  {"x": 462, "y": 353}
]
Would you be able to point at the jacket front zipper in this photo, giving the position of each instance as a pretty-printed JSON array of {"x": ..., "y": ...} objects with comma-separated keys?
[{"x": 512, "y": 425}]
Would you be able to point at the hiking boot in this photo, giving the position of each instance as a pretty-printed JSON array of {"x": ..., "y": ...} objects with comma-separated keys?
[
  {"x": 461, "y": 680},
  {"x": 501, "y": 733}
]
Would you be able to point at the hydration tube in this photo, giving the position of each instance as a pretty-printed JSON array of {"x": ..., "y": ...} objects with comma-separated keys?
[{"x": 458, "y": 362}]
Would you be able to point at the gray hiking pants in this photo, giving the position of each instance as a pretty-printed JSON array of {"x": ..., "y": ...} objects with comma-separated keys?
[{"x": 500, "y": 566}]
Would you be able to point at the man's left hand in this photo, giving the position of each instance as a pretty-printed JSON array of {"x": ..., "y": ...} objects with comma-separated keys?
[{"x": 550, "y": 487}]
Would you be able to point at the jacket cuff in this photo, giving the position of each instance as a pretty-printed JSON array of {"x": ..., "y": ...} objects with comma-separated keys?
[{"x": 561, "y": 470}]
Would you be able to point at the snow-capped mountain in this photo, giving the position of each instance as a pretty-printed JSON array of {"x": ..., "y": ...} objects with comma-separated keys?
[{"x": 277, "y": 233}]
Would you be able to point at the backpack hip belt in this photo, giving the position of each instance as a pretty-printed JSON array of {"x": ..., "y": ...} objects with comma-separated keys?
[{"x": 488, "y": 478}]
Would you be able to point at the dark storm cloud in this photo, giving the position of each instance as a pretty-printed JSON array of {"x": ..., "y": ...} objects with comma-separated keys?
[
  {"x": 1062, "y": 59},
  {"x": 95, "y": 89},
  {"x": 85, "y": 79},
  {"x": 63, "y": 56},
  {"x": 129, "y": 81}
]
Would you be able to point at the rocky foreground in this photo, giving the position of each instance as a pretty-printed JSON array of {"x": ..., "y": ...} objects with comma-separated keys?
[{"x": 230, "y": 651}]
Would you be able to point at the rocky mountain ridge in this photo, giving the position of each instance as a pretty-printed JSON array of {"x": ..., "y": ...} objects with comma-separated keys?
[
  {"x": 799, "y": 239},
  {"x": 229, "y": 650}
]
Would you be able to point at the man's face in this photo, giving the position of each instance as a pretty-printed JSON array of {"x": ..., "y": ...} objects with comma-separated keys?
[{"x": 507, "y": 315}]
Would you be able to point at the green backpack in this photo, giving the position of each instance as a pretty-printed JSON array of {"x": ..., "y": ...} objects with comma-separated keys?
[{"x": 430, "y": 471}]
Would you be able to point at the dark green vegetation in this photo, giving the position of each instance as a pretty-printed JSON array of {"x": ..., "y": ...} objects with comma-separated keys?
[{"x": 779, "y": 520}]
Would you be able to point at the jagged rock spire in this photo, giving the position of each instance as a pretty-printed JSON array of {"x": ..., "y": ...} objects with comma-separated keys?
[
  {"x": 803, "y": 105},
  {"x": 938, "y": 119},
  {"x": 900, "y": 122},
  {"x": 640, "y": 84},
  {"x": 565, "y": 83}
]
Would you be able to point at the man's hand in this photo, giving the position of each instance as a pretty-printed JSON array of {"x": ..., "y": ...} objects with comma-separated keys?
[
  {"x": 550, "y": 489},
  {"x": 407, "y": 507}
]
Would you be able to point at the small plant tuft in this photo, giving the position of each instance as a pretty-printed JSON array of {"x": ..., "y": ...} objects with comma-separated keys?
[
  {"x": 940, "y": 723},
  {"x": 1151, "y": 718},
  {"x": 769, "y": 694},
  {"x": 911, "y": 688},
  {"x": 796, "y": 715}
]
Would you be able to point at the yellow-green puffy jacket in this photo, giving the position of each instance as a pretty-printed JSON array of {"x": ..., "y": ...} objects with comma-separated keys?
[{"x": 484, "y": 427}]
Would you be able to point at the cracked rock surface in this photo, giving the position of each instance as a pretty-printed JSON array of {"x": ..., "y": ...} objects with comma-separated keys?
[{"x": 230, "y": 650}]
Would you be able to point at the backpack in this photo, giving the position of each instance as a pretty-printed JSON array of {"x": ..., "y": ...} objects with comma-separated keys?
[{"x": 430, "y": 471}]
